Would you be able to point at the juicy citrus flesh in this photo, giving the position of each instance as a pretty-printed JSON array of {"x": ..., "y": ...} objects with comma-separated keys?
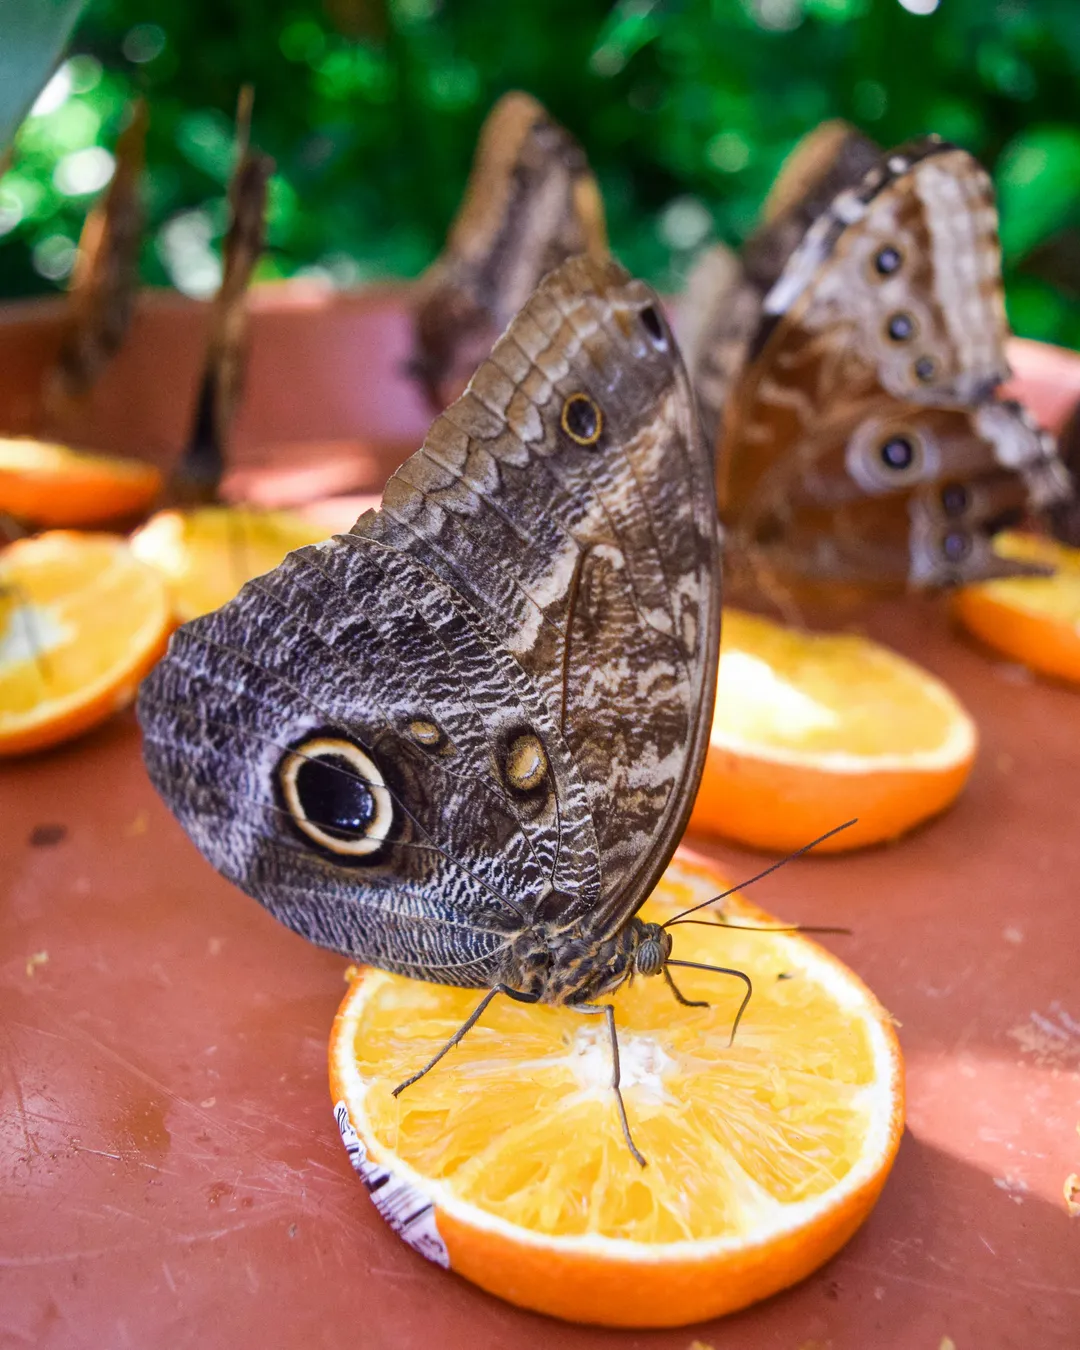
[
  {"x": 747, "y": 1144},
  {"x": 810, "y": 730},
  {"x": 827, "y": 696},
  {"x": 81, "y": 620},
  {"x": 207, "y": 554},
  {"x": 54, "y": 485},
  {"x": 1035, "y": 620}
]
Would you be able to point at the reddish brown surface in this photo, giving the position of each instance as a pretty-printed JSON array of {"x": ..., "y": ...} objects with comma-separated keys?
[{"x": 171, "y": 1172}]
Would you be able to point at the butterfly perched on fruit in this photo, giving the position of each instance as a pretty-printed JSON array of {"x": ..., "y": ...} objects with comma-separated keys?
[
  {"x": 847, "y": 364},
  {"x": 531, "y": 203},
  {"x": 461, "y": 742}
]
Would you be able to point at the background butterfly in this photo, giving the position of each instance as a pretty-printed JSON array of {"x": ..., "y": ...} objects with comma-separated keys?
[
  {"x": 531, "y": 203},
  {"x": 847, "y": 365},
  {"x": 462, "y": 741}
]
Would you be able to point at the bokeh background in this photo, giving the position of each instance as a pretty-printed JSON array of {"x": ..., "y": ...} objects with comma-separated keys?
[{"x": 686, "y": 107}]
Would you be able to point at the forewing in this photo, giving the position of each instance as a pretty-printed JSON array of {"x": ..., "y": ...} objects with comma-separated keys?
[{"x": 595, "y": 563}]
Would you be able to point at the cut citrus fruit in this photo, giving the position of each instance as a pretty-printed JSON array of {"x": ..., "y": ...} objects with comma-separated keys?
[
  {"x": 1035, "y": 620},
  {"x": 812, "y": 729},
  {"x": 206, "y": 555},
  {"x": 507, "y": 1162},
  {"x": 81, "y": 622},
  {"x": 51, "y": 485}
]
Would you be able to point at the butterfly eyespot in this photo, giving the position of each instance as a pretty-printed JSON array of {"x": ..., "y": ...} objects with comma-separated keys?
[
  {"x": 956, "y": 546},
  {"x": 925, "y": 369},
  {"x": 955, "y": 499},
  {"x": 582, "y": 419},
  {"x": 424, "y": 733},
  {"x": 336, "y": 796},
  {"x": 654, "y": 327},
  {"x": 898, "y": 453},
  {"x": 888, "y": 261},
  {"x": 526, "y": 762},
  {"x": 901, "y": 327}
]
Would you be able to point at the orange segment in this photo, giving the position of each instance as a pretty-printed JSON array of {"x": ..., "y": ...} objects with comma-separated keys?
[
  {"x": 52, "y": 485},
  {"x": 206, "y": 555},
  {"x": 811, "y": 730},
  {"x": 81, "y": 622},
  {"x": 763, "y": 1158},
  {"x": 1035, "y": 620}
]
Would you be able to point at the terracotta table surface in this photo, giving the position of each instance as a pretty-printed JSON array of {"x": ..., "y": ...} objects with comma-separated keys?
[{"x": 170, "y": 1173}]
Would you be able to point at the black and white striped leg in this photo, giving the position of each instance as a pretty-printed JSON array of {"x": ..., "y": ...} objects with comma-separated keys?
[
  {"x": 465, "y": 1027},
  {"x": 609, "y": 1014}
]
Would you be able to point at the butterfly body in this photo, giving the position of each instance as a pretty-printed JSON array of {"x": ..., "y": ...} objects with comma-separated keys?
[
  {"x": 849, "y": 377},
  {"x": 461, "y": 742}
]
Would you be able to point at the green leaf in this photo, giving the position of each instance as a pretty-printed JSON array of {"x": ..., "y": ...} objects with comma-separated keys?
[
  {"x": 33, "y": 34},
  {"x": 1038, "y": 182}
]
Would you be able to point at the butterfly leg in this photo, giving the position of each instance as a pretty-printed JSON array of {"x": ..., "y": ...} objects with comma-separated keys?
[
  {"x": 465, "y": 1027},
  {"x": 616, "y": 1075},
  {"x": 686, "y": 1002}
]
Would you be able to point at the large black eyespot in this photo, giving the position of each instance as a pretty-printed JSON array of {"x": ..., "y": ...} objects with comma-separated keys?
[
  {"x": 582, "y": 419},
  {"x": 925, "y": 369},
  {"x": 654, "y": 327},
  {"x": 955, "y": 499},
  {"x": 956, "y": 546},
  {"x": 888, "y": 261},
  {"x": 901, "y": 326},
  {"x": 898, "y": 453},
  {"x": 336, "y": 796}
]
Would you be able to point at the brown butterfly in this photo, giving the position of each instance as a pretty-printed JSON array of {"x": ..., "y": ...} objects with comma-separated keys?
[
  {"x": 103, "y": 287},
  {"x": 531, "y": 203},
  {"x": 847, "y": 364},
  {"x": 197, "y": 477},
  {"x": 462, "y": 741}
]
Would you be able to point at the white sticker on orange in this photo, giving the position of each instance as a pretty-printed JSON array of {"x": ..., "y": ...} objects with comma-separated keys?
[{"x": 406, "y": 1209}]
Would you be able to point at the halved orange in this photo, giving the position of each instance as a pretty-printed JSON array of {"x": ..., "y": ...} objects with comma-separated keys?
[
  {"x": 1035, "y": 620},
  {"x": 50, "y": 485},
  {"x": 814, "y": 729},
  {"x": 507, "y": 1163},
  {"x": 206, "y": 555},
  {"x": 81, "y": 622}
]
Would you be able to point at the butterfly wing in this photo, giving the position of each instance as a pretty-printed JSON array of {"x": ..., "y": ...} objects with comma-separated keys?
[
  {"x": 530, "y": 204},
  {"x": 890, "y": 308},
  {"x": 490, "y": 701}
]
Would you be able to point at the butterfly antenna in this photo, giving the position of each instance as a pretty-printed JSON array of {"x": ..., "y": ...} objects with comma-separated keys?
[
  {"x": 766, "y": 927},
  {"x": 678, "y": 918}
]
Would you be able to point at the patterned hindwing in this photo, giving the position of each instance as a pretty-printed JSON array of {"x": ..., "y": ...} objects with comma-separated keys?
[
  {"x": 337, "y": 741},
  {"x": 531, "y": 203},
  {"x": 568, "y": 497},
  {"x": 906, "y": 496}
]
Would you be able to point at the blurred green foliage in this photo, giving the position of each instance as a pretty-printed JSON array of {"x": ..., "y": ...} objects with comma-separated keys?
[{"x": 686, "y": 107}]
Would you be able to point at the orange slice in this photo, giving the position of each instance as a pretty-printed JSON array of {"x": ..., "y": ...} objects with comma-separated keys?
[
  {"x": 1035, "y": 620},
  {"x": 507, "y": 1164},
  {"x": 206, "y": 555},
  {"x": 51, "y": 485},
  {"x": 81, "y": 622},
  {"x": 811, "y": 730}
]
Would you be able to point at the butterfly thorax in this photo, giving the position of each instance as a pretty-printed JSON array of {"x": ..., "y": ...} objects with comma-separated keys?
[{"x": 571, "y": 966}]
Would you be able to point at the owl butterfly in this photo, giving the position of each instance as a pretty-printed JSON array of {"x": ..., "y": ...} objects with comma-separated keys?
[
  {"x": 531, "y": 203},
  {"x": 197, "y": 477},
  {"x": 847, "y": 364},
  {"x": 461, "y": 742},
  {"x": 105, "y": 279}
]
